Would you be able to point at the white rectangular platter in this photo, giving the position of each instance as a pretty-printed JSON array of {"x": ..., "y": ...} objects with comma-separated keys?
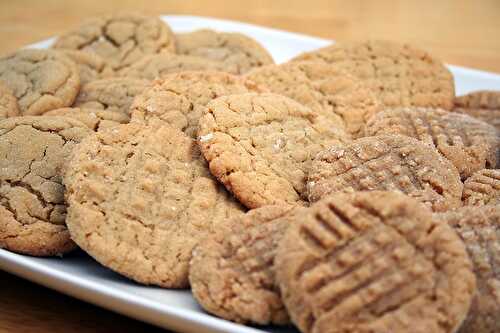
[{"x": 81, "y": 277}]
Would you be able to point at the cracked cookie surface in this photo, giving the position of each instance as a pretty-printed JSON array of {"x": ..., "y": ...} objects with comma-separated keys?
[
  {"x": 94, "y": 119},
  {"x": 483, "y": 105},
  {"x": 482, "y": 188},
  {"x": 90, "y": 66},
  {"x": 34, "y": 151},
  {"x": 373, "y": 262},
  {"x": 140, "y": 198},
  {"x": 260, "y": 146},
  {"x": 8, "y": 103}
]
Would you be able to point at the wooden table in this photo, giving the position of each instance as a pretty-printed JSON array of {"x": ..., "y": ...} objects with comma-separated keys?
[{"x": 459, "y": 32}]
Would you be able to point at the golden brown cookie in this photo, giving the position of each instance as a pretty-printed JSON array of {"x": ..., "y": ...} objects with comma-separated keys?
[
  {"x": 468, "y": 143},
  {"x": 482, "y": 188},
  {"x": 120, "y": 39},
  {"x": 140, "y": 198},
  {"x": 232, "y": 271},
  {"x": 41, "y": 80},
  {"x": 323, "y": 88},
  {"x": 483, "y": 105},
  {"x": 8, "y": 103},
  {"x": 94, "y": 119},
  {"x": 90, "y": 66},
  {"x": 260, "y": 146},
  {"x": 479, "y": 228},
  {"x": 34, "y": 151},
  {"x": 373, "y": 262},
  {"x": 389, "y": 163},
  {"x": 400, "y": 74},
  {"x": 113, "y": 94},
  {"x": 180, "y": 99},
  {"x": 237, "y": 52}
]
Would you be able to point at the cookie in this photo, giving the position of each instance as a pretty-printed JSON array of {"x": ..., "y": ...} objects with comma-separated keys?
[
  {"x": 159, "y": 65},
  {"x": 180, "y": 99},
  {"x": 389, "y": 163},
  {"x": 90, "y": 66},
  {"x": 237, "y": 52},
  {"x": 260, "y": 146},
  {"x": 41, "y": 80},
  {"x": 470, "y": 144},
  {"x": 96, "y": 119},
  {"x": 479, "y": 228},
  {"x": 232, "y": 274},
  {"x": 399, "y": 74},
  {"x": 323, "y": 88},
  {"x": 373, "y": 262},
  {"x": 482, "y": 188},
  {"x": 8, "y": 103},
  {"x": 120, "y": 39},
  {"x": 34, "y": 151},
  {"x": 113, "y": 94},
  {"x": 140, "y": 198},
  {"x": 483, "y": 105}
]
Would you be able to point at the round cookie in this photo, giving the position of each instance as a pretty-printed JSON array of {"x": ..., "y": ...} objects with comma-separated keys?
[
  {"x": 260, "y": 146},
  {"x": 479, "y": 228},
  {"x": 90, "y": 66},
  {"x": 41, "y": 80},
  {"x": 232, "y": 273},
  {"x": 120, "y": 39},
  {"x": 113, "y": 94},
  {"x": 389, "y": 163},
  {"x": 237, "y": 52},
  {"x": 482, "y": 188},
  {"x": 96, "y": 119},
  {"x": 34, "y": 151},
  {"x": 483, "y": 105},
  {"x": 180, "y": 99},
  {"x": 373, "y": 262},
  {"x": 8, "y": 103},
  {"x": 140, "y": 198},
  {"x": 399, "y": 74},
  {"x": 468, "y": 143}
]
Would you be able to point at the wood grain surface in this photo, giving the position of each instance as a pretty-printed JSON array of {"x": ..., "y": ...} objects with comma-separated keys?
[{"x": 457, "y": 31}]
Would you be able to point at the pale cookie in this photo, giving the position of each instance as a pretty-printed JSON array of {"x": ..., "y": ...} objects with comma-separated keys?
[
  {"x": 468, "y": 143},
  {"x": 8, "y": 103},
  {"x": 180, "y": 99},
  {"x": 237, "y": 52},
  {"x": 114, "y": 94},
  {"x": 41, "y": 80},
  {"x": 120, "y": 39},
  {"x": 482, "y": 188},
  {"x": 34, "y": 151},
  {"x": 232, "y": 272},
  {"x": 140, "y": 198},
  {"x": 483, "y": 105},
  {"x": 479, "y": 228},
  {"x": 90, "y": 66},
  {"x": 389, "y": 163},
  {"x": 373, "y": 262},
  {"x": 94, "y": 119},
  {"x": 399, "y": 74},
  {"x": 260, "y": 146}
]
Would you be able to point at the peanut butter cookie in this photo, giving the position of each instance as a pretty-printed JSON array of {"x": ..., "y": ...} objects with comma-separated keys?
[
  {"x": 8, "y": 103},
  {"x": 483, "y": 105},
  {"x": 94, "y": 119},
  {"x": 90, "y": 66},
  {"x": 482, "y": 188}
]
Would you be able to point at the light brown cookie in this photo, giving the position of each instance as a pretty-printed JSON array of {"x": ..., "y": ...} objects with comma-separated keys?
[
  {"x": 482, "y": 188},
  {"x": 389, "y": 163},
  {"x": 94, "y": 119},
  {"x": 237, "y": 52},
  {"x": 399, "y": 74},
  {"x": 468, "y": 143},
  {"x": 159, "y": 65},
  {"x": 113, "y": 94},
  {"x": 232, "y": 272},
  {"x": 34, "y": 151},
  {"x": 8, "y": 103},
  {"x": 483, "y": 105},
  {"x": 180, "y": 99},
  {"x": 140, "y": 198},
  {"x": 90, "y": 66},
  {"x": 120, "y": 39},
  {"x": 260, "y": 146},
  {"x": 479, "y": 228},
  {"x": 373, "y": 262},
  {"x": 41, "y": 80},
  {"x": 323, "y": 88}
]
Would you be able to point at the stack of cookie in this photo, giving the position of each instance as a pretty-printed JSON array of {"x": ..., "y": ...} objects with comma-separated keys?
[{"x": 347, "y": 190}]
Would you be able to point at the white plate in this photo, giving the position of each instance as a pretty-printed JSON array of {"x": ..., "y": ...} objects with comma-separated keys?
[{"x": 81, "y": 277}]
